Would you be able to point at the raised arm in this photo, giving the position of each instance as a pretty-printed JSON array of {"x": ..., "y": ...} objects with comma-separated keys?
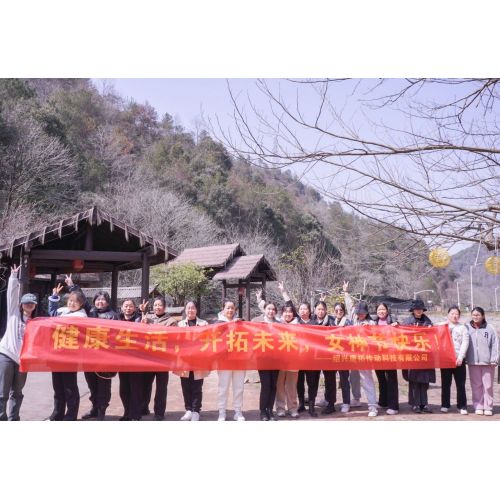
[
  {"x": 13, "y": 292},
  {"x": 349, "y": 303}
]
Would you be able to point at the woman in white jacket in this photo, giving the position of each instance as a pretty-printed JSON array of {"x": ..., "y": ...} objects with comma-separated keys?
[
  {"x": 192, "y": 381},
  {"x": 460, "y": 337},
  {"x": 11, "y": 379},
  {"x": 226, "y": 377}
]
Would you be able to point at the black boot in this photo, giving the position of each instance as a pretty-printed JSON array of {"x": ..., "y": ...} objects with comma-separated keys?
[
  {"x": 92, "y": 413},
  {"x": 330, "y": 408},
  {"x": 301, "y": 407},
  {"x": 312, "y": 412},
  {"x": 101, "y": 412}
]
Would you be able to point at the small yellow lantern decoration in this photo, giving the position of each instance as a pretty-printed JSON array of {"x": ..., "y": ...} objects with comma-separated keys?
[
  {"x": 492, "y": 265},
  {"x": 439, "y": 257}
]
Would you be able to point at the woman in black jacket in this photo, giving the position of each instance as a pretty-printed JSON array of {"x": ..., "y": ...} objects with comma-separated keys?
[
  {"x": 131, "y": 383},
  {"x": 100, "y": 382},
  {"x": 387, "y": 379},
  {"x": 419, "y": 380}
]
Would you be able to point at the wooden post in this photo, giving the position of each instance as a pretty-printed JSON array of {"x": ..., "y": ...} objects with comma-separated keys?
[
  {"x": 114, "y": 288},
  {"x": 89, "y": 239},
  {"x": 198, "y": 306},
  {"x": 240, "y": 301},
  {"x": 248, "y": 300},
  {"x": 223, "y": 291},
  {"x": 145, "y": 277}
]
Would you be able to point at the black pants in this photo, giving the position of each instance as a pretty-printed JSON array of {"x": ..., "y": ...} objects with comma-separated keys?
[
  {"x": 100, "y": 390},
  {"x": 459, "y": 373},
  {"x": 160, "y": 404},
  {"x": 268, "y": 383},
  {"x": 66, "y": 396},
  {"x": 131, "y": 393},
  {"x": 301, "y": 382},
  {"x": 417, "y": 392},
  {"x": 192, "y": 392},
  {"x": 388, "y": 389},
  {"x": 312, "y": 378},
  {"x": 331, "y": 386}
]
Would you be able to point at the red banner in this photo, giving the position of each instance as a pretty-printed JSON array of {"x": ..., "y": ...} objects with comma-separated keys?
[{"x": 84, "y": 344}]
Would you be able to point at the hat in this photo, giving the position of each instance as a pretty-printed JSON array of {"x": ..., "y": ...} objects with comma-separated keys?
[
  {"x": 361, "y": 308},
  {"x": 29, "y": 298},
  {"x": 417, "y": 304}
]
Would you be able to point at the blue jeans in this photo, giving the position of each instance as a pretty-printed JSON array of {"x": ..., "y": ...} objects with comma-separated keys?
[{"x": 11, "y": 388}]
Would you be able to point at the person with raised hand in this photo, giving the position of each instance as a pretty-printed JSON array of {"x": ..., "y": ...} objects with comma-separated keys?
[
  {"x": 65, "y": 384},
  {"x": 12, "y": 381}
]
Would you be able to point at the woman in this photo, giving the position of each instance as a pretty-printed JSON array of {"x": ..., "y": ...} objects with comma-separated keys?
[
  {"x": 482, "y": 357},
  {"x": 100, "y": 382},
  {"x": 387, "y": 379},
  {"x": 311, "y": 376},
  {"x": 362, "y": 317},
  {"x": 11, "y": 379},
  {"x": 460, "y": 337},
  {"x": 228, "y": 377},
  {"x": 159, "y": 316},
  {"x": 65, "y": 384},
  {"x": 131, "y": 383},
  {"x": 268, "y": 378},
  {"x": 340, "y": 319},
  {"x": 286, "y": 387},
  {"x": 419, "y": 380},
  {"x": 192, "y": 381}
]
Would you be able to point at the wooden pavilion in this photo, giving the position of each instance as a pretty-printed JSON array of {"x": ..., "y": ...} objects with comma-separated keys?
[
  {"x": 87, "y": 242},
  {"x": 229, "y": 265}
]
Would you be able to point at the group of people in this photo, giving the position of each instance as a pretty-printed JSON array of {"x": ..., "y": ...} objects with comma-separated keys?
[{"x": 282, "y": 392}]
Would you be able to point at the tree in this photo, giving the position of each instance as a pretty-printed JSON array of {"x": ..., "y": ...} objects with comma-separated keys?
[
  {"x": 37, "y": 170},
  {"x": 421, "y": 155},
  {"x": 181, "y": 281}
]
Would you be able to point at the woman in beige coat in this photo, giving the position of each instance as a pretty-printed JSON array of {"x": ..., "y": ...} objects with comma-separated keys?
[{"x": 192, "y": 381}]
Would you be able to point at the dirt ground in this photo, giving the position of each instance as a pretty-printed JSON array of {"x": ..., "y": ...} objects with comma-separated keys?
[{"x": 37, "y": 404}]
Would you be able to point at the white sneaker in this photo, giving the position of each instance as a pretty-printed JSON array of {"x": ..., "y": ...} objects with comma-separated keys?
[
  {"x": 488, "y": 413},
  {"x": 195, "y": 417},
  {"x": 187, "y": 416},
  {"x": 323, "y": 403},
  {"x": 294, "y": 414},
  {"x": 238, "y": 416},
  {"x": 281, "y": 413},
  {"x": 444, "y": 409},
  {"x": 479, "y": 412},
  {"x": 390, "y": 411},
  {"x": 464, "y": 411},
  {"x": 222, "y": 416},
  {"x": 372, "y": 411},
  {"x": 344, "y": 408},
  {"x": 355, "y": 403}
]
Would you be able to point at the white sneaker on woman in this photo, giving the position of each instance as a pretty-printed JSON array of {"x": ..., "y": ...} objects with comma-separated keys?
[
  {"x": 488, "y": 413},
  {"x": 195, "y": 417},
  {"x": 187, "y": 416},
  {"x": 344, "y": 408},
  {"x": 222, "y": 415},
  {"x": 372, "y": 411},
  {"x": 479, "y": 412},
  {"x": 238, "y": 416},
  {"x": 390, "y": 411},
  {"x": 464, "y": 411}
]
